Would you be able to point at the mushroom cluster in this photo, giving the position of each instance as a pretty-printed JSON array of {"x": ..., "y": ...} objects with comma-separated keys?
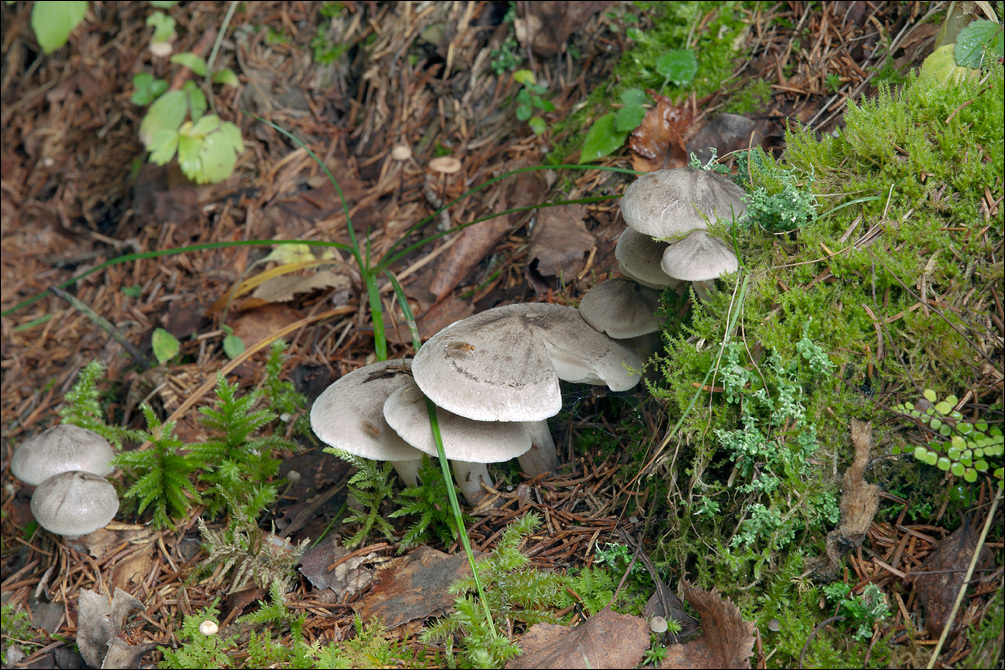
[
  {"x": 493, "y": 379},
  {"x": 667, "y": 213},
  {"x": 68, "y": 466}
]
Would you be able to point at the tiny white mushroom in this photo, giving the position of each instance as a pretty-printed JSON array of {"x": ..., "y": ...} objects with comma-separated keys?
[{"x": 208, "y": 628}]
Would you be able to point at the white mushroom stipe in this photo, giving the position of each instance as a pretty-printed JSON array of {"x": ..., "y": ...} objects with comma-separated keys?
[{"x": 542, "y": 457}]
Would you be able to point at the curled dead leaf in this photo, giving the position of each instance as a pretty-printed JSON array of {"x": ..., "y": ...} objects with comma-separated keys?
[
  {"x": 727, "y": 641},
  {"x": 606, "y": 640},
  {"x": 658, "y": 142}
]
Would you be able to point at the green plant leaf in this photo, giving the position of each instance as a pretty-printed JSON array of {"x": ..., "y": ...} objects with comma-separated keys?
[
  {"x": 196, "y": 100},
  {"x": 678, "y": 66},
  {"x": 226, "y": 77},
  {"x": 165, "y": 345},
  {"x": 523, "y": 112},
  {"x": 192, "y": 62},
  {"x": 538, "y": 125},
  {"x": 233, "y": 346},
  {"x": 631, "y": 114},
  {"x": 54, "y": 21},
  {"x": 204, "y": 126},
  {"x": 163, "y": 25},
  {"x": 189, "y": 158},
  {"x": 163, "y": 146},
  {"x": 525, "y": 77},
  {"x": 930, "y": 395},
  {"x": 163, "y": 4},
  {"x": 957, "y": 469},
  {"x": 167, "y": 113},
  {"x": 970, "y": 475},
  {"x": 218, "y": 157},
  {"x": 943, "y": 464},
  {"x": 978, "y": 44},
  {"x": 602, "y": 139}
]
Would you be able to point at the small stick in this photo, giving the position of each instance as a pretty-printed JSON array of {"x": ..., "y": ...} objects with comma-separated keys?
[{"x": 102, "y": 323}]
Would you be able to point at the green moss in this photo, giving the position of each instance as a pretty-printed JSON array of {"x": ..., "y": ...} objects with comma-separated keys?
[{"x": 753, "y": 97}]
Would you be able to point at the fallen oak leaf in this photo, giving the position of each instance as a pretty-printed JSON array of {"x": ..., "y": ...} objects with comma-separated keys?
[
  {"x": 658, "y": 142},
  {"x": 606, "y": 640}
]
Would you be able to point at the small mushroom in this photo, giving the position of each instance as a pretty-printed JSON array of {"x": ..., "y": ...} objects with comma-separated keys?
[
  {"x": 639, "y": 259},
  {"x": 74, "y": 503},
  {"x": 700, "y": 259},
  {"x": 62, "y": 448},
  {"x": 401, "y": 153},
  {"x": 669, "y": 203},
  {"x": 445, "y": 165},
  {"x": 349, "y": 416},
  {"x": 468, "y": 444},
  {"x": 621, "y": 308}
]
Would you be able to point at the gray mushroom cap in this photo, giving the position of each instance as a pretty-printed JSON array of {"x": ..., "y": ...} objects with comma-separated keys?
[
  {"x": 463, "y": 439},
  {"x": 639, "y": 258},
  {"x": 621, "y": 308},
  {"x": 698, "y": 257},
  {"x": 504, "y": 363},
  {"x": 349, "y": 414},
  {"x": 667, "y": 203},
  {"x": 62, "y": 448},
  {"x": 74, "y": 503}
]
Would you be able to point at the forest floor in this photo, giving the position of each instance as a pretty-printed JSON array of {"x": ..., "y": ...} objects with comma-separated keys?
[{"x": 353, "y": 82}]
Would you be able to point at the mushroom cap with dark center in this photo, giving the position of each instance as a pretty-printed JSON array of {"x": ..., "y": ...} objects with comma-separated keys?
[
  {"x": 74, "y": 503},
  {"x": 62, "y": 448},
  {"x": 639, "y": 258},
  {"x": 667, "y": 203},
  {"x": 349, "y": 414},
  {"x": 463, "y": 439},
  {"x": 621, "y": 308},
  {"x": 504, "y": 363},
  {"x": 698, "y": 257}
]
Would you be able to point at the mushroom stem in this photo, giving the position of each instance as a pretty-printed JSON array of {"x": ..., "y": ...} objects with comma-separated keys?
[
  {"x": 542, "y": 456},
  {"x": 701, "y": 289},
  {"x": 469, "y": 478},
  {"x": 408, "y": 470}
]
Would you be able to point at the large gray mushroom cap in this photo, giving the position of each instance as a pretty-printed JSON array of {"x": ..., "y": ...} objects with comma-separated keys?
[
  {"x": 698, "y": 257},
  {"x": 504, "y": 363},
  {"x": 349, "y": 415},
  {"x": 621, "y": 308},
  {"x": 668, "y": 203},
  {"x": 62, "y": 448},
  {"x": 463, "y": 439},
  {"x": 74, "y": 503}
]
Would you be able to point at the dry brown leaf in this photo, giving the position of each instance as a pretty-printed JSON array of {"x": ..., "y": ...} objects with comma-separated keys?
[
  {"x": 348, "y": 578},
  {"x": 658, "y": 142},
  {"x": 133, "y": 570},
  {"x": 727, "y": 641},
  {"x": 478, "y": 240},
  {"x": 942, "y": 575},
  {"x": 99, "y": 621},
  {"x": 859, "y": 503},
  {"x": 416, "y": 588},
  {"x": 728, "y": 133},
  {"x": 284, "y": 288},
  {"x": 559, "y": 247},
  {"x": 546, "y": 25},
  {"x": 606, "y": 640},
  {"x": 256, "y": 325}
]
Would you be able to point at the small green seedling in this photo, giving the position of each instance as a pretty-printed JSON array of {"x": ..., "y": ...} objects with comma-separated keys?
[
  {"x": 865, "y": 610},
  {"x": 529, "y": 98},
  {"x": 678, "y": 67},
  {"x": 608, "y": 133},
  {"x": 961, "y": 448},
  {"x": 165, "y": 345},
  {"x": 53, "y": 22},
  {"x": 233, "y": 345}
]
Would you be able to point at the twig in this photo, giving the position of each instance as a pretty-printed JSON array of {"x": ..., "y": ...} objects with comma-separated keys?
[
  {"x": 966, "y": 580},
  {"x": 816, "y": 630},
  {"x": 104, "y": 324}
]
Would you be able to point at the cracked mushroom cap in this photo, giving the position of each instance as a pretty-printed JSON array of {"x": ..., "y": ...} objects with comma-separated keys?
[
  {"x": 639, "y": 258},
  {"x": 464, "y": 439},
  {"x": 668, "y": 203},
  {"x": 62, "y": 448},
  {"x": 504, "y": 364},
  {"x": 621, "y": 308},
  {"x": 349, "y": 414},
  {"x": 74, "y": 503},
  {"x": 698, "y": 257}
]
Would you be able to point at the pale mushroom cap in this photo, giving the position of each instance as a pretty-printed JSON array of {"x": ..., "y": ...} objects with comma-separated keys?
[
  {"x": 621, "y": 308},
  {"x": 504, "y": 363},
  {"x": 445, "y": 164},
  {"x": 62, "y": 448},
  {"x": 74, "y": 503},
  {"x": 639, "y": 258},
  {"x": 491, "y": 367},
  {"x": 463, "y": 439},
  {"x": 349, "y": 414},
  {"x": 666, "y": 203},
  {"x": 401, "y": 153},
  {"x": 698, "y": 257}
]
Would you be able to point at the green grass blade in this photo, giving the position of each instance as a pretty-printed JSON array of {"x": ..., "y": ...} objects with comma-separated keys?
[{"x": 169, "y": 252}]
